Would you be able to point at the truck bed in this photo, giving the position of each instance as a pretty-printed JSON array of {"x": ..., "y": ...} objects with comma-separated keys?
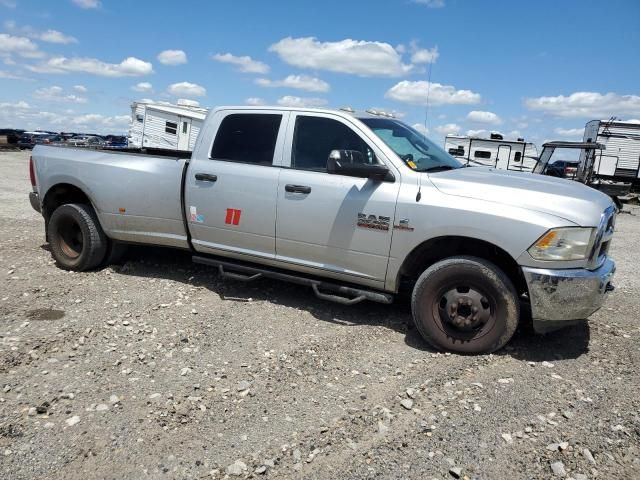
[{"x": 135, "y": 192}]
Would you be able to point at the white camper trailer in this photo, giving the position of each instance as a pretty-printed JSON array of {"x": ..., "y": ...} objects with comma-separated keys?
[
  {"x": 516, "y": 155},
  {"x": 620, "y": 158},
  {"x": 164, "y": 125}
]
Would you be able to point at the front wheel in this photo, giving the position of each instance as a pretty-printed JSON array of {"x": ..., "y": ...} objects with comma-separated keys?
[
  {"x": 76, "y": 237},
  {"x": 465, "y": 305}
]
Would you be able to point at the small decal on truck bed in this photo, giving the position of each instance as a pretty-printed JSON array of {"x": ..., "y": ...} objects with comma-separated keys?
[{"x": 233, "y": 216}]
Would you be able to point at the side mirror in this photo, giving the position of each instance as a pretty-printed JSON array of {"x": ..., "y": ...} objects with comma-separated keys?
[{"x": 352, "y": 164}]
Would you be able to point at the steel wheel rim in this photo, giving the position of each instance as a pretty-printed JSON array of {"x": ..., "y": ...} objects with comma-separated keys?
[{"x": 71, "y": 238}]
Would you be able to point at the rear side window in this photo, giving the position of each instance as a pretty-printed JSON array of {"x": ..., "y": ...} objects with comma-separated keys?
[
  {"x": 457, "y": 151},
  {"x": 315, "y": 137},
  {"x": 171, "y": 127},
  {"x": 247, "y": 138}
]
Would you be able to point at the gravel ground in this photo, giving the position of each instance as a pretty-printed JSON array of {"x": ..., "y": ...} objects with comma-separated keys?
[{"x": 158, "y": 369}]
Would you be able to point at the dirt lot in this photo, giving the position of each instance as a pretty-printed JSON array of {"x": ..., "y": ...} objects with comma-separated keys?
[{"x": 158, "y": 369}]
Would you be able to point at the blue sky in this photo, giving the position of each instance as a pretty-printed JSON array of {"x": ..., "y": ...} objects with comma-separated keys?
[{"x": 534, "y": 69}]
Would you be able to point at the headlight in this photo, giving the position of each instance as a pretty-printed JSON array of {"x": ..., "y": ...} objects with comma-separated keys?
[{"x": 570, "y": 243}]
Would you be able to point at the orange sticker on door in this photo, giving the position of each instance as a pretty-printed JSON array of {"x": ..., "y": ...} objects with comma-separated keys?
[{"x": 233, "y": 216}]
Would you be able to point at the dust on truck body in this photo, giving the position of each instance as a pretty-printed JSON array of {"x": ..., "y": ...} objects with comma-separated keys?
[{"x": 357, "y": 206}]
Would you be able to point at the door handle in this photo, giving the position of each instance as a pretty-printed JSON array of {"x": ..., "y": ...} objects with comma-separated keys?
[
  {"x": 205, "y": 177},
  {"x": 297, "y": 188}
]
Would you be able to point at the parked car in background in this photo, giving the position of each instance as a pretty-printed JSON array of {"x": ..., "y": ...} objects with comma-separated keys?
[
  {"x": 114, "y": 141},
  {"x": 86, "y": 141},
  {"x": 48, "y": 140},
  {"x": 563, "y": 169},
  {"x": 28, "y": 139}
]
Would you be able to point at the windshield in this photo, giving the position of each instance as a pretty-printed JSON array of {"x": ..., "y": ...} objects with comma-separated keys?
[{"x": 416, "y": 151}]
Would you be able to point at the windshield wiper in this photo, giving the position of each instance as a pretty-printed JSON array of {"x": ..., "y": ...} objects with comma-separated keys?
[{"x": 439, "y": 168}]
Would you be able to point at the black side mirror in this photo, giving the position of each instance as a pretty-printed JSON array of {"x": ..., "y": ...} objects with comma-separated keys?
[{"x": 352, "y": 164}]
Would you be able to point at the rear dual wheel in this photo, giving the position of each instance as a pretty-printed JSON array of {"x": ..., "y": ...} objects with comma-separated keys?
[
  {"x": 76, "y": 237},
  {"x": 465, "y": 305}
]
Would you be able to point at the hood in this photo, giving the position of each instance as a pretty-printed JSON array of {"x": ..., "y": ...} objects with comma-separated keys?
[{"x": 568, "y": 199}]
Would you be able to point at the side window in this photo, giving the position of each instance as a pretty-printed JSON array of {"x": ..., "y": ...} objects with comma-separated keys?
[
  {"x": 171, "y": 127},
  {"x": 482, "y": 154},
  {"x": 184, "y": 127},
  {"x": 517, "y": 157},
  {"x": 315, "y": 137},
  {"x": 247, "y": 138},
  {"x": 457, "y": 151}
]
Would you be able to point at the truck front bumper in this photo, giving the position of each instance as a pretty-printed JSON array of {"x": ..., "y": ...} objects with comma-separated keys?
[
  {"x": 34, "y": 200},
  {"x": 559, "y": 296}
]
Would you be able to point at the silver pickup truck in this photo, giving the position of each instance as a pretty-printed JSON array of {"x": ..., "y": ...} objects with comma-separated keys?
[{"x": 357, "y": 206}]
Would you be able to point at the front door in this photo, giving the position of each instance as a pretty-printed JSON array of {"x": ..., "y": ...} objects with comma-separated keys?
[
  {"x": 502, "y": 159},
  {"x": 184, "y": 133},
  {"x": 333, "y": 225},
  {"x": 231, "y": 194}
]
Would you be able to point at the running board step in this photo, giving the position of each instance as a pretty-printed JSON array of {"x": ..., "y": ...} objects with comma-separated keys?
[{"x": 340, "y": 293}]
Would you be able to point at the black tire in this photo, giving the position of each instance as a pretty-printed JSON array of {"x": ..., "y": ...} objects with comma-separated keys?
[
  {"x": 76, "y": 237},
  {"x": 465, "y": 305}
]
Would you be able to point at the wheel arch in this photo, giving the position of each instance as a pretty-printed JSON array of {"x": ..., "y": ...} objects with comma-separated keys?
[
  {"x": 435, "y": 249},
  {"x": 62, "y": 193}
]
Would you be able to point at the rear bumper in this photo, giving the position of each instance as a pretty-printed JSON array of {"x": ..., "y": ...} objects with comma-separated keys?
[
  {"x": 34, "y": 200},
  {"x": 565, "y": 295}
]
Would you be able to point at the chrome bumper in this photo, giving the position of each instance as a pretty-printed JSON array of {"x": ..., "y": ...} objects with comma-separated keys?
[
  {"x": 34, "y": 199},
  {"x": 573, "y": 294}
]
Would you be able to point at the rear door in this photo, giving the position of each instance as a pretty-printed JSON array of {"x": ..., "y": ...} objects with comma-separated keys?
[
  {"x": 502, "y": 159},
  {"x": 333, "y": 225},
  {"x": 231, "y": 193}
]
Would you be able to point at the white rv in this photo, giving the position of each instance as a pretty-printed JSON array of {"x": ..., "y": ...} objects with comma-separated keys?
[
  {"x": 496, "y": 152},
  {"x": 620, "y": 158},
  {"x": 164, "y": 125}
]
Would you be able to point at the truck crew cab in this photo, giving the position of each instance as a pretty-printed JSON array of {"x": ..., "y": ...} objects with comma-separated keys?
[{"x": 358, "y": 206}]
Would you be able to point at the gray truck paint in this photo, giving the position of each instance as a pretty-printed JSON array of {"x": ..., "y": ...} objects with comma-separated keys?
[{"x": 317, "y": 233}]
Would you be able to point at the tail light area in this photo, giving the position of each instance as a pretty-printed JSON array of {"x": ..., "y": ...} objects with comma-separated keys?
[{"x": 32, "y": 172}]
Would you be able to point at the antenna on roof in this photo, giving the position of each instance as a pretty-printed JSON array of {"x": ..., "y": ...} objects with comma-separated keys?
[{"x": 426, "y": 109}]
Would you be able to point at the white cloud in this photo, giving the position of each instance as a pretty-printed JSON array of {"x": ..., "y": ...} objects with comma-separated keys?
[
  {"x": 478, "y": 116},
  {"x": 633, "y": 120},
  {"x": 358, "y": 57},
  {"x": 129, "y": 67},
  {"x": 245, "y": 64},
  {"x": 54, "y": 36},
  {"x": 9, "y": 3},
  {"x": 20, "y": 105},
  {"x": 477, "y": 133},
  {"x": 50, "y": 36},
  {"x": 430, "y": 3},
  {"x": 143, "y": 87},
  {"x": 416, "y": 93},
  {"x": 570, "y": 132},
  {"x": 57, "y": 94},
  {"x": 19, "y": 45},
  {"x": 188, "y": 102},
  {"x": 291, "y": 101},
  {"x": 186, "y": 89},
  {"x": 172, "y": 57},
  {"x": 300, "y": 82},
  {"x": 424, "y": 55},
  {"x": 586, "y": 105},
  {"x": 420, "y": 128},
  {"x": 87, "y": 3},
  {"x": 255, "y": 101},
  {"x": 80, "y": 88},
  {"x": 448, "y": 129},
  {"x": 12, "y": 76}
]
